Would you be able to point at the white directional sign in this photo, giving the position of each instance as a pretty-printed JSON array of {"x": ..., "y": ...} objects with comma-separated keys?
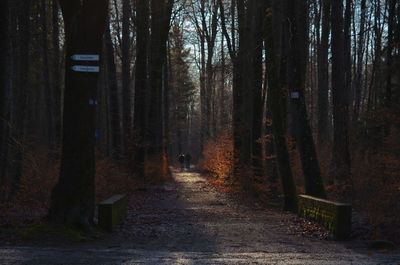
[
  {"x": 92, "y": 102},
  {"x": 295, "y": 95},
  {"x": 86, "y": 69},
  {"x": 86, "y": 57}
]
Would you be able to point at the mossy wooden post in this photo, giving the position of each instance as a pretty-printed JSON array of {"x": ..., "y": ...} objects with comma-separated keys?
[
  {"x": 112, "y": 211},
  {"x": 336, "y": 217}
]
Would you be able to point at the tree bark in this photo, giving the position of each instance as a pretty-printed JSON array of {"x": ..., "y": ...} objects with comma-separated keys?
[
  {"x": 358, "y": 82},
  {"x": 296, "y": 25},
  {"x": 56, "y": 71},
  {"x": 73, "y": 198},
  {"x": 3, "y": 79},
  {"x": 126, "y": 74},
  {"x": 46, "y": 74},
  {"x": 323, "y": 75},
  {"x": 160, "y": 24},
  {"x": 258, "y": 8},
  {"x": 341, "y": 154},
  {"x": 141, "y": 87},
  {"x": 275, "y": 101},
  {"x": 115, "y": 116},
  {"x": 21, "y": 94}
]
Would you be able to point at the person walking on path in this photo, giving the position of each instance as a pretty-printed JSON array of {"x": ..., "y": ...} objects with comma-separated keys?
[
  {"x": 181, "y": 159},
  {"x": 188, "y": 158}
]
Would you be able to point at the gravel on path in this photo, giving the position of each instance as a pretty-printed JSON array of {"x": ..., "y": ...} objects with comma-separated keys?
[{"x": 186, "y": 221}]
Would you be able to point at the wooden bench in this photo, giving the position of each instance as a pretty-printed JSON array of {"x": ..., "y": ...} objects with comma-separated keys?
[
  {"x": 112, "y": 211},
  {"x": 336, "y": 217}
]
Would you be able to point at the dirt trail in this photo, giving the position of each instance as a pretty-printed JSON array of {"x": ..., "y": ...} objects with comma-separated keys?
[{"x": 186, "y": 221}]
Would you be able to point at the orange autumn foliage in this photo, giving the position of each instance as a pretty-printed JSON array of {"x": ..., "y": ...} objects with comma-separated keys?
[{"x": 218, "y": 156}]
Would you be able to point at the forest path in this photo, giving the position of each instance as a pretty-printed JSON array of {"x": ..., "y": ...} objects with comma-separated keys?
[{"x": 186, "y": 221}]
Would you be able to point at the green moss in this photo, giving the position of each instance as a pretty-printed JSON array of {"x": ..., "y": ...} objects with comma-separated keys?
[{"x": 334, "y": 216}]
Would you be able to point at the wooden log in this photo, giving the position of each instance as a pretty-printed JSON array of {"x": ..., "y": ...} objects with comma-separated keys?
[
  {"x": 112, "y": 212},
  {"x": 336, "y": 217}
]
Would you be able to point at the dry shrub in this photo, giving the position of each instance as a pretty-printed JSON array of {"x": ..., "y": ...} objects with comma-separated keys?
[
  {"x": 39, "y": 176},
  {"x": 31, "y": 201},
  {"x": 218, "y": 156},
  {"x": 112, "y": 178},
  {"x": 156, "y": 168},
  {"x": 377, "y": 184}
]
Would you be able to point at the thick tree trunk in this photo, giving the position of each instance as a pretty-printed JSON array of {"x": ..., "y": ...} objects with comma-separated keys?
[
  {"x": 46, "y": 74},
  {"x": 141, "y": 87},
  {"x": 73, "y": 198},
  {"x": 21, "y": 98},
  {"x": 56, "y": 68},
  {"x": 358, "y": 82},
  {"x": 242, "y": 99},
  {"x": 126, "y": 75},
  {"x": 3, "y": 79},
  {"x": 115, "y": 116},
  {"x": 341, "y": 154},
  {"x": 323, "y": 75},
  {"x": 275, "y": 101},
  {"x": 258, "y": 8},
  {"x": 297, "y": 64},
  {"x": 204, "y": 128},
  {"x": 347, "y": 53},
  {"x": 160, "y": 24},
  {"x": 389, "y": 56}
]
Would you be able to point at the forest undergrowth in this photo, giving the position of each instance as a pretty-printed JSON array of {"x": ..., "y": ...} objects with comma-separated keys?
[
  {"x": 375, "y": 177},
  {"x": 39, "y": 175}
]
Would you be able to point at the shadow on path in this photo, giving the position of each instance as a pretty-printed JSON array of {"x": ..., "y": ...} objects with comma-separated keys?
[{"x": 185, "y": 221}]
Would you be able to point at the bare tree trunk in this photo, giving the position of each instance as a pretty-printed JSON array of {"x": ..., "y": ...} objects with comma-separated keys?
[
  {"x": 3, "y": 79},
  {"x": 160, "y": 24},
  {"x": 139, "y": 119},
  {"x": 358, "y": 82},
  {"x": 389, "y": 59},
  {"x": 126, "y": 74},
  {"x": 21, "y": 98},
  {"x": 73, "y": 198},
  {"x": 56, "y": 71},
  {"x": 296, "y": 25},
  {"x": 49, "y": 92},
  {"x": 258, "y": 8},
  {"x": 341, "y": 155},
  {"x": 275, "y": 100},
  {"x": 221, "y": 96},
  {"x": 242, "y": 99},
  {"x": 115, "y": 116},
  {"x": 347, "y": 53},
  {"x": 204, "y": 128},
  {"x": 323, "y": 75}
]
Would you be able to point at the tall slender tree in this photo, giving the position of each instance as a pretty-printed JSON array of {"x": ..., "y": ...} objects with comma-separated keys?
[
  {"x": 341, "y": 154},
  {"x": 141, "y": 86},
  {"x": 126, "y": 72},
  {"x": 115, "y": 117},
  {"x": 3, "y": 77},
  {"x": 323, "y": 74}
]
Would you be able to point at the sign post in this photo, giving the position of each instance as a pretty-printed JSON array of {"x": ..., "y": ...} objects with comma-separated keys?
[
  {"x": 86, "y": 69},
  {"x": 86, "y": 57}
]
